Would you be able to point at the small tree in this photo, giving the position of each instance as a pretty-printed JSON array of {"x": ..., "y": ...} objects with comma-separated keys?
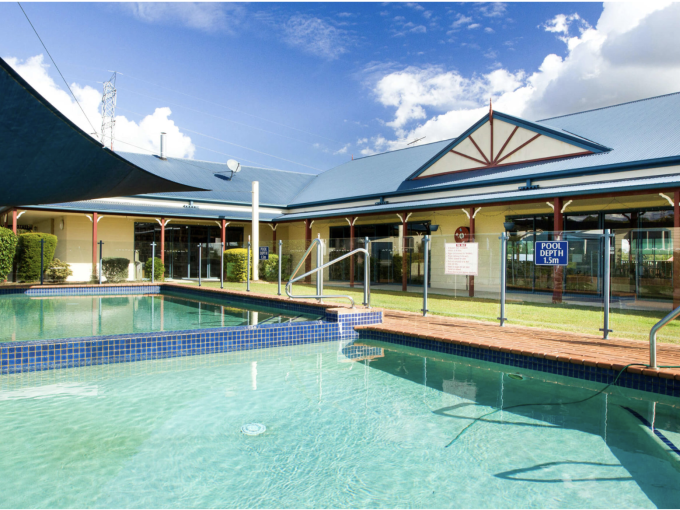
[
  {"x": 58, "y": 271},
  {"x": 235, "y": 264},
  {"x": 28, "y": 255},
  {"x": 115, "y": 269},
  {"x": 158, "y": 269},
  {"x": 8, "y": 246}
]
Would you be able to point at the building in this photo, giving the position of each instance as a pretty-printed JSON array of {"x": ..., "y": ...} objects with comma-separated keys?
[{"x": 610, "y": 168}]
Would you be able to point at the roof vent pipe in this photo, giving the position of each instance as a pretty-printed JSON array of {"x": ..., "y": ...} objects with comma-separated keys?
[{"x": 164, "y": 146}]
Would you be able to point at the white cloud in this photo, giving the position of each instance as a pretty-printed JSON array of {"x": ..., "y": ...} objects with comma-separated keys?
[
  {"x": 631, "y": 53},
  {"x": 461, "y": 19},
  {"x": 489, "y": 30},
  {"x": 205, "y": 16},
  {"x": 145, "y": 135},
  {"x": 341, "y": 151},
  {"x": 494, "y": 10},
  {"x": 315, "y": 36},
  {"x": 474, "y": 25}
]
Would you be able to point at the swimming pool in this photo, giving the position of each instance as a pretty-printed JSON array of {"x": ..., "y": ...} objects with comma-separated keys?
[
  {"x": 28, "y": 317},
  {"x": 346, "y": 426}
]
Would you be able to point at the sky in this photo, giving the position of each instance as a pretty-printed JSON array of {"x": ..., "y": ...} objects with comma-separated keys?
[{"x": 305, "y": 87}]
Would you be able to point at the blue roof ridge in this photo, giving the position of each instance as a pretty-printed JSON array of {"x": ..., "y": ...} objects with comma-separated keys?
[
  {"x": 610, "y": 106},
  {"x": 402, "y": 149}
]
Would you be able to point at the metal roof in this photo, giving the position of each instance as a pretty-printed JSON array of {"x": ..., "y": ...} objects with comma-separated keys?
[
  {"x": 506, "y": 196},
  {"x": 640, "y": 133},
  {"x": 159, "y": 212},
  {"x": 277, "y": 187},
  {"x": 46, "y": 158}
]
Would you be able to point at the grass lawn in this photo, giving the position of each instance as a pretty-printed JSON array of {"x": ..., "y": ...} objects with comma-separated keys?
[{"x": 631, "y": 324}]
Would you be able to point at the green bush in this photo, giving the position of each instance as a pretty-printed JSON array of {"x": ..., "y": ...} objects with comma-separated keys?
[
  {"x": 159, "y": 269},
  {"x": 235, "y": 265},
  {"x": 115, "y": 269},
  {"x": 28, "y": 255},
  {"x": 8, "y": 247},
  {"x": 58, "y": 271},
  {"x": 269, "y": 269}
]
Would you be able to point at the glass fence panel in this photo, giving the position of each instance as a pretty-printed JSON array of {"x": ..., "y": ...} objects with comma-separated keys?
[
  {"x": 644, "y": 276},
  {"x": 464, "y": 276},
  {"x": 120, "y": 262},
  {"x": 556, "y": 290}
]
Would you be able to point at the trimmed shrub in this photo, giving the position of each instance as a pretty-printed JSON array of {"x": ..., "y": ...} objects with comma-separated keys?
[
  {"x": 158, "y": 268},
  {"x": 115, "y": 269},
  {"x": 235, "y": 264},
  {"x": 269, "y": 269},
  {"x": 8, "y": 248},
  {"x": 58, "y": 271},
  {"x": 28, "y": 255}
]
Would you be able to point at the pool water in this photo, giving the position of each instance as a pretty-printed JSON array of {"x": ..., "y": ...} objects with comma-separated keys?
[
  {"x": 374, "y": 431},
  {"x": 41, "y": 318}
]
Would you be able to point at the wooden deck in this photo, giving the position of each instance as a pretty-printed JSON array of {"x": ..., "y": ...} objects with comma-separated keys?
[{"x": 574, "y": 348}]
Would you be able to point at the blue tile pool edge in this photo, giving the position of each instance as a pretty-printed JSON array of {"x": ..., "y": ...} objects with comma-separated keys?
[{"x": 659, "y": 385}]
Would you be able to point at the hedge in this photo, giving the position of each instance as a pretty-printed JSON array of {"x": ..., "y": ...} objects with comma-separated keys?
[
  {"x": 158, "y": 268},
  {"x": 8, "y": 247},
  {"x": 115, "y": 269},
  {"x": 58, "y": 271},
  {"x": 269, "y": 269},
  {"x": 235, "y": 264},
  {"x": 28, "y": 255}
]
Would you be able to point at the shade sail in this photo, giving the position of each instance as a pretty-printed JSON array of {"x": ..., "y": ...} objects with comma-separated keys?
[{"x": 45, "y": 158}]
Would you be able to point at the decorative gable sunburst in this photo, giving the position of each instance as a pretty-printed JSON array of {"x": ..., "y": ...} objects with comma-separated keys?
[{"x": 498, "y": 140}]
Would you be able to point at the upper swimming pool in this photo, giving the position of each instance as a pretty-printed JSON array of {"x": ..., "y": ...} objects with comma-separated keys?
[
  {"x": 346, "y": 427},
  {"x": 27, "y": 317}
]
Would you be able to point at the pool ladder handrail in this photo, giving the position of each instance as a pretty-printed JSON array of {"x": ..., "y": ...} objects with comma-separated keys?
[
  {"x": 320, "y": 267},
  {"x": 652, "y": 335}
]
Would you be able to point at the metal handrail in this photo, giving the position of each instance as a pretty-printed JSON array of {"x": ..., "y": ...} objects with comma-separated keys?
[
  {"x": 317, "y": 242},
  {"x": 652, "y": 335}
]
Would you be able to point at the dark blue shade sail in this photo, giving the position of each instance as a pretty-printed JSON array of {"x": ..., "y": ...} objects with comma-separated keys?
[{"x": 45, "y": 158}]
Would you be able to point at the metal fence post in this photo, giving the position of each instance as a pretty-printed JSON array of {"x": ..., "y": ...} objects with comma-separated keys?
[
  {"x": 101, "y": 244},
  {"x": 280, "y": 257},
  {"x": 367, "y": 274},
  {"x": 42, "y": 259},
  {"x": 153, "y": 262},
  {"x": 319, "y": 263},
  {"x": 426, "y": 256},
  {"x": 248, "y": 268},
  {"x": 221, "y": 265},
  {"x": 199, "y": 264},
  {"x": 504, "y": 263},
  {"x": 606, "y": 287}
]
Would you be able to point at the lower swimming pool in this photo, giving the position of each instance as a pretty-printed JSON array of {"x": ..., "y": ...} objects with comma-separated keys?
[
  {"x": 26, "y": 317},
  {"x": 346, "y": 426}
]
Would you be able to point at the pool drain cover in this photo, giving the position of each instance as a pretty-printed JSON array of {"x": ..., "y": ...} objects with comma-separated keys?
[
  {"x": 517, "y": 377},
  {"x": 253, "y": 429}
]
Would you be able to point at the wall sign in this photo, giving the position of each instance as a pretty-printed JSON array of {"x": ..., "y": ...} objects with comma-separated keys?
[
  {"x": 461, "y": 258},
  {"x": 462, "y": 235},
  {"x": 551, "y": 253},
  {"x": 264, "y": 252}
]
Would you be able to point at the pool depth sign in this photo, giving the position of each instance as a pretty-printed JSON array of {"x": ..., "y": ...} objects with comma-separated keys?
[
  {"x": 264, "y": 252},
  {"x": 551, "y": 253}
]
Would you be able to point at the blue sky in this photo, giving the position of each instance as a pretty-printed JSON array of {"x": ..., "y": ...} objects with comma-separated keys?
[{"x": 303, "y": 87}]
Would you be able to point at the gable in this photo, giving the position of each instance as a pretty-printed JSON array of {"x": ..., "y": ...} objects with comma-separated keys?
[{"x": 499, "y": 140}]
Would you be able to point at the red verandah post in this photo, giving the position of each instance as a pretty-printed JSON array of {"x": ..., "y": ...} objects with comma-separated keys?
[
  {"x": 676, "y": 249},
  {"x": 471, "y": 279},
  {"x": 557, "y": 236},
  {"x": 308, "y": 242}
]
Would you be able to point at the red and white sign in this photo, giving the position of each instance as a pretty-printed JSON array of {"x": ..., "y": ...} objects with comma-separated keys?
[
  {"x": 462, "y": 235},
  {"x": 461, "y": 258}
]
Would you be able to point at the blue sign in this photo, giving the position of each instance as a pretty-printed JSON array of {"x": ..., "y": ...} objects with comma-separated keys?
[
  {"x": 551, "y": 253},
  {"x": 264, "y": 252}
]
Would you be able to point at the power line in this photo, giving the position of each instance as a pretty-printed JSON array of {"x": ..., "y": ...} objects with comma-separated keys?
[
  {"x": 217, "y": 116},
  {"x": 94, "y": 131}
]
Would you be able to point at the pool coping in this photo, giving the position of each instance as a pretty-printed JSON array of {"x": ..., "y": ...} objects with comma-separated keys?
[{"x": 336, "y": 323}]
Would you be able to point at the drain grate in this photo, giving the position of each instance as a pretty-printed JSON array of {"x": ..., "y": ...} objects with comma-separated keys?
[{"x": 253, "y": 429}]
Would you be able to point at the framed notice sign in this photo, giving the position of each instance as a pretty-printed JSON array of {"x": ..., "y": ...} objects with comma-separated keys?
[{"x": 461, "y": 258}]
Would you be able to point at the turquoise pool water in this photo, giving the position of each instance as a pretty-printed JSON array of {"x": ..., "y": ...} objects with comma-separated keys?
[
  {"x": 41, "y": 318},
  {"x": 339, "y": 433}
]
